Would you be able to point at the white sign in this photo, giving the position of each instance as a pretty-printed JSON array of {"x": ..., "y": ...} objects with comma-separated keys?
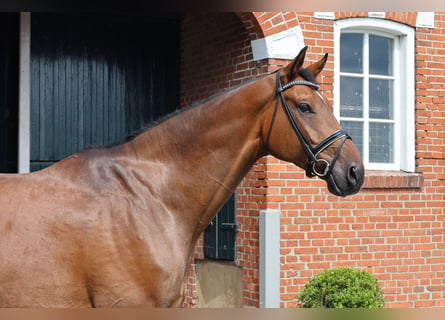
[
  {"x": 425, "y": 20},
  {"x": 325, "y": 15},
  {"x": 380, "y": 15}
]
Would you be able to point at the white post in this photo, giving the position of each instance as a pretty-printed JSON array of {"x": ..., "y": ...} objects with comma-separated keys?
[
  {"x": 24, "y": 93},
  {"x": 269, "y": 258}
]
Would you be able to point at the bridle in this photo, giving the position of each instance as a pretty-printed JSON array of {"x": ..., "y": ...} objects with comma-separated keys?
[{"x": 314, "y": 166}]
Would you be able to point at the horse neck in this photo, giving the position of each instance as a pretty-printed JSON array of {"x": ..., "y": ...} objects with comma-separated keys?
[{"x": 205, "y": 152}]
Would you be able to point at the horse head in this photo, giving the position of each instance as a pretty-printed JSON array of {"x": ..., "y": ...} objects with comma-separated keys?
[{"x": 303, "y": 129}]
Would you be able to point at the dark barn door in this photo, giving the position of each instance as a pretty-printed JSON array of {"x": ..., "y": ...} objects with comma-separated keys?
[
  {"x": 96, "y": 79},
  {"x": 9, "y": 70}
]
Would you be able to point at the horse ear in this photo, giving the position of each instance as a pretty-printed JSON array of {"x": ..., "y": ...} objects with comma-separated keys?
[
  {"x": 316, "y": 67},
  {"x": 291, "y": 70}
]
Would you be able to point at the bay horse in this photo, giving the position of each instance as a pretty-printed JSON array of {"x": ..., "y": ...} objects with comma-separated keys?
[{"x": 117, "y": 225}]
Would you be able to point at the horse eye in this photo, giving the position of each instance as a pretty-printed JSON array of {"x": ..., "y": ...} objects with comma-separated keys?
[{"x": 304, "y": 107}]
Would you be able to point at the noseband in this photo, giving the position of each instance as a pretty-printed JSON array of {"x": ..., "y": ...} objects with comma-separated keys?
[{"x": 314, "y": 166}]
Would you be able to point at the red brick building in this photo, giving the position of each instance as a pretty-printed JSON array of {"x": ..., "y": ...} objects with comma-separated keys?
[{"x": 385, "y": 76}]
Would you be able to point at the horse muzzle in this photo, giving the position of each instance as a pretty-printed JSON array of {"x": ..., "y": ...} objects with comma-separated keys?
[{"x": 347, "y": 181}]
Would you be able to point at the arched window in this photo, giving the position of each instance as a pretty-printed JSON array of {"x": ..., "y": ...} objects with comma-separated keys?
[{"x": 374, "y": 90}]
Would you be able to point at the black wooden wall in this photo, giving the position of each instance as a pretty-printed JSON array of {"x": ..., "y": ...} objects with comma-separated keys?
[{"x": 96, "y": 79}]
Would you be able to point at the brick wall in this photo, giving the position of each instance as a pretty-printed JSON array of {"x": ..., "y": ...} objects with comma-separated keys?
[
  {"x": 394, "y": 227},
  {"x": 215, "y": 56}
]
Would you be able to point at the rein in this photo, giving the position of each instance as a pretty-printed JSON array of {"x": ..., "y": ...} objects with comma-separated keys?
[{"x": 314, "y": 166}]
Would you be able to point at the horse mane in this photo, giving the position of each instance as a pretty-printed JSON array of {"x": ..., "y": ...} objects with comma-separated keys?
[
  {"x": 153, "y": 124},
  {"x": 303, "y": 72},
  {"x": 166, "y": 117},
  {"x": 137, "y": 132}
]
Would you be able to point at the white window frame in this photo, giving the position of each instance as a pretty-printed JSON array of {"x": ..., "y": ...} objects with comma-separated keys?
[{"x": 404, "y": 89}]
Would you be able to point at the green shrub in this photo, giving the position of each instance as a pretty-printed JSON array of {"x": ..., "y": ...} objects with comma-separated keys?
[{"x": 342, "y": 288}]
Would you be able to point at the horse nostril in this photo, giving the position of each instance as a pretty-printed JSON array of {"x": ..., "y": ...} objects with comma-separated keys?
[{"x": 352, "y": 174}]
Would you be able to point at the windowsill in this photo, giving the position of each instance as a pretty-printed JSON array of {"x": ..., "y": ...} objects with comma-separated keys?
[{"x": 375, "y": 179}]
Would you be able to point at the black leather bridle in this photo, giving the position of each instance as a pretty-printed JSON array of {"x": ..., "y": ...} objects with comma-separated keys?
[{"x": 314, "y": 166}]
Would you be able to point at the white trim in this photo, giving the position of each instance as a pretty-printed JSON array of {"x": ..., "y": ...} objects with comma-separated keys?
[
  {"x": 371, "y": 24},
  {"x": 407, "y": 66},
  {"x": 283, "y": 45},
  {"x": 269, "y": 258},
  {"x": 404, "y": 61},
  {"x": 24, "y": 93}
]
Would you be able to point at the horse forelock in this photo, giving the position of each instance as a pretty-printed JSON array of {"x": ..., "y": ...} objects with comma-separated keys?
[{"x": 307, "y": 75}]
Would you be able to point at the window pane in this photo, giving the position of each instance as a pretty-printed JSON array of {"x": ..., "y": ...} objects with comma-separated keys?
[
  {"x": 351, "y": 97},
  {"x": 351, "y": 48},
  {"x": 380, "y": 55},
  {"x": 381, "y": 142},
  {"x": 380, "y": 99},
  {"x": 355, "y": 130}
]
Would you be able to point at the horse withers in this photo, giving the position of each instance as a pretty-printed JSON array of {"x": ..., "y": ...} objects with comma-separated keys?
[{"x": 116, "y": 226}]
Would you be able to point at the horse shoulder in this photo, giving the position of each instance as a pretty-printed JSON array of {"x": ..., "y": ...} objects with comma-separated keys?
[{"x": 132, "y": 236}]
